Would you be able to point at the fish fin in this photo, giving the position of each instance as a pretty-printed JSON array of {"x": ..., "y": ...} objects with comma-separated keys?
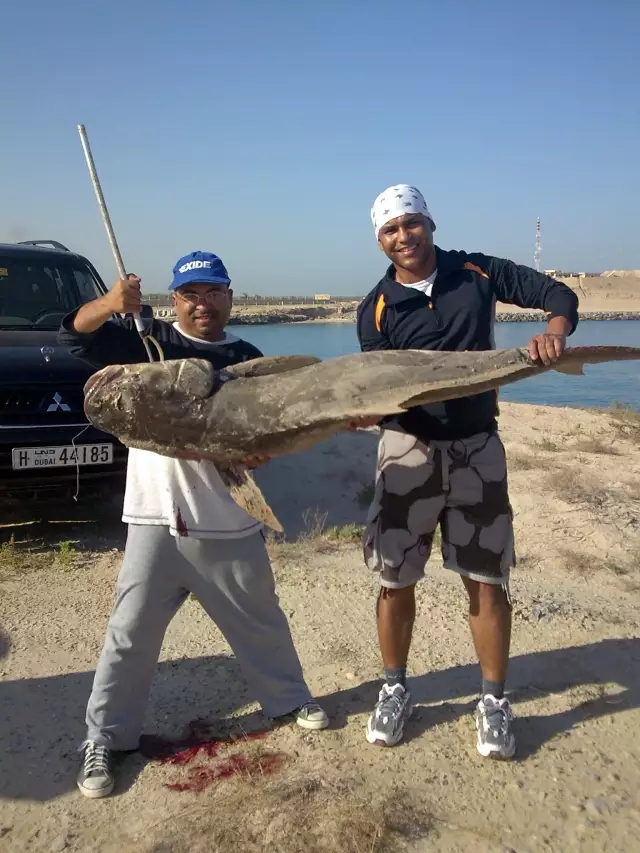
[
  {"x": 269, "y": 365},
  {"x": 573, "y": 359},
  {"x": 571, "y": 368},
  {"x": 246, "y": 493}
]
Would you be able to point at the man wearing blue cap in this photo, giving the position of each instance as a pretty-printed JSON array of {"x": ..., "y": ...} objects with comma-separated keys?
[{"x": 186, "y": 534}]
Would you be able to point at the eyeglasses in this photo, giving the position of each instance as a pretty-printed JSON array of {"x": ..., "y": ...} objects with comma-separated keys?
[{"x": 210, "y": 296}]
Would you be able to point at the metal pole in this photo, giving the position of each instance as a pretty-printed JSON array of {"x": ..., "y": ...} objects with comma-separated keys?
[{"x": 110, "y": 233}]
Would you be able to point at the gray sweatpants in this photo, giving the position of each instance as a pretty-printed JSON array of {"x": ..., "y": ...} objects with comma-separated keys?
[{"x": 233, "y": 581}]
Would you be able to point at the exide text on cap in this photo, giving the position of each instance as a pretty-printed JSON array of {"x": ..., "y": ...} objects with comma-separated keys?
[{"x": 195, "y": 265}]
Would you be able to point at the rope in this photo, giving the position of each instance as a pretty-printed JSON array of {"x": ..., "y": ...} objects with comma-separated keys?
[{"x": 155, "y": 343}]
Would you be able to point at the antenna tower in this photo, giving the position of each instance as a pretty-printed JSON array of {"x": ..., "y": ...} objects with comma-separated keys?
[{"x": 536, "y": 255}]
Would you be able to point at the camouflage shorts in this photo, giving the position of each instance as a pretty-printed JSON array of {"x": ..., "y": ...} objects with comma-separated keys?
[{"x": 461, "y": 485}]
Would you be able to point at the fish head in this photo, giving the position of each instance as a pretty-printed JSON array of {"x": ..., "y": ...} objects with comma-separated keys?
[
  {"x": 127, "y": 399},
  {"x": 192, "y": 377}
]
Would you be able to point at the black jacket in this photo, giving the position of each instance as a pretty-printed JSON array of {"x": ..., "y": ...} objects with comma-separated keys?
[
  {"x": 118, "y": 342},
  {"x": 459, "y": 315}
]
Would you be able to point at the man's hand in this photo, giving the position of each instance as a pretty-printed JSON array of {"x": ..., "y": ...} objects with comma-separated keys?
[
  {"x": 547, "y": 347},
  {"x": 124, "y": 297}
]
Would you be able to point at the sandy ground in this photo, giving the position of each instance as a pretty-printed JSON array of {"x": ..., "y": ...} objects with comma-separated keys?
[{"x": 574, "y": 678}]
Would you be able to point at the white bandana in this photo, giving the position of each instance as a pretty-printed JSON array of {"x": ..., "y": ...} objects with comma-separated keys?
[{"x": 397, "y": 201}]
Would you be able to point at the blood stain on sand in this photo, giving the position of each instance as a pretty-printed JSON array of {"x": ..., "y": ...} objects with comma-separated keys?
[
  {"x": 199, "y": 778},
  {"x": 183, "y": 751}
]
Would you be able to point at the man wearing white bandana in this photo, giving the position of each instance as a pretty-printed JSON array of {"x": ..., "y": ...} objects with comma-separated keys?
[{"x": 444, "y": 464}]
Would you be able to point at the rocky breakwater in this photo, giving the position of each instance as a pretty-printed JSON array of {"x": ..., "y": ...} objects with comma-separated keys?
[
  {"x": 301, "y": 314},
  {"x": 272, "y": 318}
]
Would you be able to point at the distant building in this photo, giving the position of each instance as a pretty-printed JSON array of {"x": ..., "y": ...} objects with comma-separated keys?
[{"x": 564, "y": 274}]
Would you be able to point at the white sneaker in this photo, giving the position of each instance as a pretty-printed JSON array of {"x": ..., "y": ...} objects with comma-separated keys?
[
  {"x": 95, "y": 779},
  {"x": 386, "y": 725},
  {"x": 493, "y": 719}
]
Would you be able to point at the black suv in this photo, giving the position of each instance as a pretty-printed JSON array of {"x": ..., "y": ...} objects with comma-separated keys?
[{"x": 45, "y": 441}]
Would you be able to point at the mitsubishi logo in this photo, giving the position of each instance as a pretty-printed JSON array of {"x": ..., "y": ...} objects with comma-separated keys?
[{"x": 58, "y": 405}]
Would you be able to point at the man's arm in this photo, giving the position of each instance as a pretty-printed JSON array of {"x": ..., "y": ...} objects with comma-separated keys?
[
  {"x": 370, "y": 324},
  {"x": 89, "y": 336},
  {"x": 124, "y": 297},
  {"x": 526, "y": 288}
]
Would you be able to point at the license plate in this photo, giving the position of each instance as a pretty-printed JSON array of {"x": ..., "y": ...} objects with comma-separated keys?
[{"x": 59, "y": 457}]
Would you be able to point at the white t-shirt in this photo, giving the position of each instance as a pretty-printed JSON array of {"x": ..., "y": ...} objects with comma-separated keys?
[
  {"x": 187, "y": 497},
  {"x": 426, "y": 285}
]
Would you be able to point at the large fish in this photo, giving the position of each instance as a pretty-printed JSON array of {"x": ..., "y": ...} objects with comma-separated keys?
[{"x": 280, "y": 405}]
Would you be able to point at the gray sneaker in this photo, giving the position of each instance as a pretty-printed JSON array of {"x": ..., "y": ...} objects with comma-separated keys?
[
  {"x": 493, "y": 719},
  {"x": 95, "y": 778},
  {"x": 308, "y": 716},
  {"x": 312, "y": 716},
  {"x": 386, "y": 725}
]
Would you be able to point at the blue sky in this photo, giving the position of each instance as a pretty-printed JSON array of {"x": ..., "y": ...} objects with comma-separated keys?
[{"x": 264, "y": 130}]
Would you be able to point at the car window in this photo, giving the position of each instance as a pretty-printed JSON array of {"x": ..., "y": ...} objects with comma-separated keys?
[{"x": 37, "y": 294}]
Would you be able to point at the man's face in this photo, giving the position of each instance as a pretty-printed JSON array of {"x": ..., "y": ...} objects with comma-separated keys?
[
  {"x": 203, "y": 309},
  {"x": 408, "y": 241}
]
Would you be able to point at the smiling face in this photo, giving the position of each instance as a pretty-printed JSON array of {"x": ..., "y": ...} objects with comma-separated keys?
[
  {"x": 408, "y": 243},
  {"x": 203, "y": 310}
]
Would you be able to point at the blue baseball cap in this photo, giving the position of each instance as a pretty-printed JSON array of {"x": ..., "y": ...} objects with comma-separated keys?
[{"x": 204, "y": 267}]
